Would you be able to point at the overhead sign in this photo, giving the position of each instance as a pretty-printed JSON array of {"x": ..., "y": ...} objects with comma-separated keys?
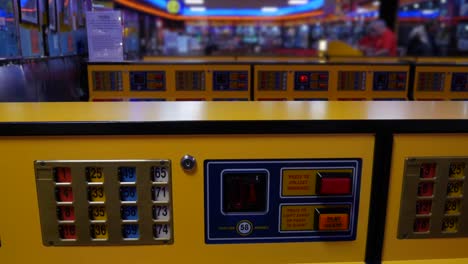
[{"x": 173, "y": 7}]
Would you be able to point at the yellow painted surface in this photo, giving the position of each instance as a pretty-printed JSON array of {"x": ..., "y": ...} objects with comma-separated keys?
[
  {"x": 219, "y": 111},
  {"x": 430, "y": 261},
  {"x": 297, "y": 217},
  {"x": 298, "y": 182},
  {"x": 438, "y": 145},
  {"x": 19, "y": 221}
]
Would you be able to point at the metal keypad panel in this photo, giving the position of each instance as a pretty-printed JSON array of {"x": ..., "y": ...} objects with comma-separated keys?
[
  {"x": 108, "y": 202},
  {"x": 433, "y": 199}
]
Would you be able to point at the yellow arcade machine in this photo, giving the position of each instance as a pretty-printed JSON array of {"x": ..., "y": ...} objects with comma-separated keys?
[{"x": 182, "y": 183}]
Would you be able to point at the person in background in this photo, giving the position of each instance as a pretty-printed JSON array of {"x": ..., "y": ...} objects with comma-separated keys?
[
  {"x": 366, "y": 43},
  {"x": 421, "y": 40},
  {"x": 385, "y": 41}
]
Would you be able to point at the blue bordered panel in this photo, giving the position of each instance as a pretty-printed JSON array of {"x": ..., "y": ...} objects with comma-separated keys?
[{"x": 228, "y": 222}]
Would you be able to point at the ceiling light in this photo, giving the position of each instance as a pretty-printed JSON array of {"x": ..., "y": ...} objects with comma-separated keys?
[
  {"x": 416, "y": 5},
  {"x": 443, "y": 1},
  {"x": 297, "y": 2},
  {"x": 269, "y": 9},
  {"x": 376, "y": 3},
  {"x": 194, "y": 2},
  {"x": 198, "y": 9}
]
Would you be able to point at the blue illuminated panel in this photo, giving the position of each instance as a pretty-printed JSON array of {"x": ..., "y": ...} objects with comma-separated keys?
[
  {"x": 311, "y": 81},
  {"x": 390, "y": 81},
  {"x": 230, "y": 80},
  {"x": 148, "y": 81},
  {"x": 460, "y": 82},
  {"x": 268, "y": 201}
]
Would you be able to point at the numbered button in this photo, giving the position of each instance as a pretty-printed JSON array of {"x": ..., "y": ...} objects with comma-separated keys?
[
  {"x": 455, "y": 189},
  {"x": 423, "y": 207},
  {"x": 450, "y": 225},
  {"x": 457, "y": 170},
  {"x": 161, "y": 212},
  {"x": 64, "y": 194},
  {"x": 421, "y": 225},
  {"x": 99, "y": 231},
  {"x": 129, "y": 212},
  {"x": 130, "y": 232},
  {"x": 66, "y": 213},
  {"x": 159, "y": 174},
  {"x": 62, "y": 174},
  {"x": 160, "y": 193},
  {"x": 128, "y": 194},
  {"x": 127, "y": 174},
  {"x": 97, "y": 213},
  {"x": 95, "y": 174},
  {"x": 162, "y": 231},
  {"x": 425, "y": 189},
  {"x": 452, "y": 207},
  {"x": 96, "y": 194},
  {"x": 428, "y": 170},
  {"x": 67, "y": 232}
]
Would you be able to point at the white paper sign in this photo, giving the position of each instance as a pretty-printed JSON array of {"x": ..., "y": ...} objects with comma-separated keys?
[{"x": 105, "y": 36}]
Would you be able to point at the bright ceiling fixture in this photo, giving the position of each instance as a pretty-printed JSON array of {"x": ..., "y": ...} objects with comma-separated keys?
[
  {"x": 269, "y": 9},
  {"x": 198, "y": 9},
  {"x": 376, "y": 3},
  {"x": 194, "y": 2},
  {"x": 297, "y": 2},
  {"x": 416, "y": 5}
]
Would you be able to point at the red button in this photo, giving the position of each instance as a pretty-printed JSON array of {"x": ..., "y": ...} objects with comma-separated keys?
[{"x": 333, "y": 183}]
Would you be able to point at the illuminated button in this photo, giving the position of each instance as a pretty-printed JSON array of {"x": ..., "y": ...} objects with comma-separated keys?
[
  {"x": 162, "y": 231},
  {"x": 323, "y": 85},
  {"x": 161, "y": 212},
  {"x": 450, "y": 225},
  {"x": 99, "y": 231},
  {"x": 333, "y": 183},
  {"x": 95, "y": 174},
  {"x": 62, "y": 175},
  {"x": 96, "y": 194},
  {"x": 130, "y": 232},
  {"x": 425, "y": 189},
  {"x": 160, "y": 193},
  {"x": 421, "y": 225},
  {"x": 129, "y": 212},
  {"x": 428, "y": 170},
  {"x": 128, "y": 194},
  {"x": 455, "y": 188},
  {"x": 303, "y": 78},
  {"x": 457, "y": 170},
  {"x": 423, "y": 207},
  {"x": 67, "y": 232},
  {"x": 97, "y": 213},
  {"x": 242, "y": 85},
  {"x": 64, "y": 194},
  {"x": 332, "y": 219},
  {"x": 127, "y": 174},
  {"x": 66, "y": 213},
  {"x": 242, "y": 76},
  {"x": 452, "y": 206}
]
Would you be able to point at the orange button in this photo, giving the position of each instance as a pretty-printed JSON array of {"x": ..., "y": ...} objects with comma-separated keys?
[{"x": 333, "y": 221}]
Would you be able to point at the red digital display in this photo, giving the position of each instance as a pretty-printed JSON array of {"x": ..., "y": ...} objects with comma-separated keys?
[{"x": 62, "y": 174}]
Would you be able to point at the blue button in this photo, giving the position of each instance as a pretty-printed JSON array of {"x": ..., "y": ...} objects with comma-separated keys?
[
  {"x": 127, "y": 174},
  {"x": 128, "y": 194},
  {"x": 130, "y": 231},
  {"x": 129, "y": 212}
]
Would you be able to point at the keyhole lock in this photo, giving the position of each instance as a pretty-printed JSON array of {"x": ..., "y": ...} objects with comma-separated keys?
[{"x": 188, "y": 162}]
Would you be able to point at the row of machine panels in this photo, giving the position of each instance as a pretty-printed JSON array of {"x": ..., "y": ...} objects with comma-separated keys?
[
  {"x": 276, "y": 82},
  {"x": 245, "y": 198}
]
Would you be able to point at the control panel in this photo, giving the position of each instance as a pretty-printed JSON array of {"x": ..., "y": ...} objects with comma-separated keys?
[
  {"x": 311, "y": 81},
  {"x": 105, "y": 202},
  {"x": 107, "y": 81},
  {"x": 272, "y": 80},
  {"x": 431, "y": 81},
  {"x": 460, "y": 81},
  {"x": 148, "y": 81},
  {"x": 352, "y": 80},
  {"x": 433, "y": 202},
  {"x": 190, "y": 80},
  {"x": 266, "y": 201},
  {"x": 390, "y": 81},
  {"x": 230, "y": 80}
]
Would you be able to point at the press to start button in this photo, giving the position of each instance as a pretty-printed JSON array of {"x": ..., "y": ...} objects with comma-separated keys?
[
  {"x": 331, "y": 219},
  {"x": 334, "y": 183}
]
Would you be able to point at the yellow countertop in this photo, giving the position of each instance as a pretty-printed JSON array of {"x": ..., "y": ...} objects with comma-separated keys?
[{"x": 225, "y": 111}]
